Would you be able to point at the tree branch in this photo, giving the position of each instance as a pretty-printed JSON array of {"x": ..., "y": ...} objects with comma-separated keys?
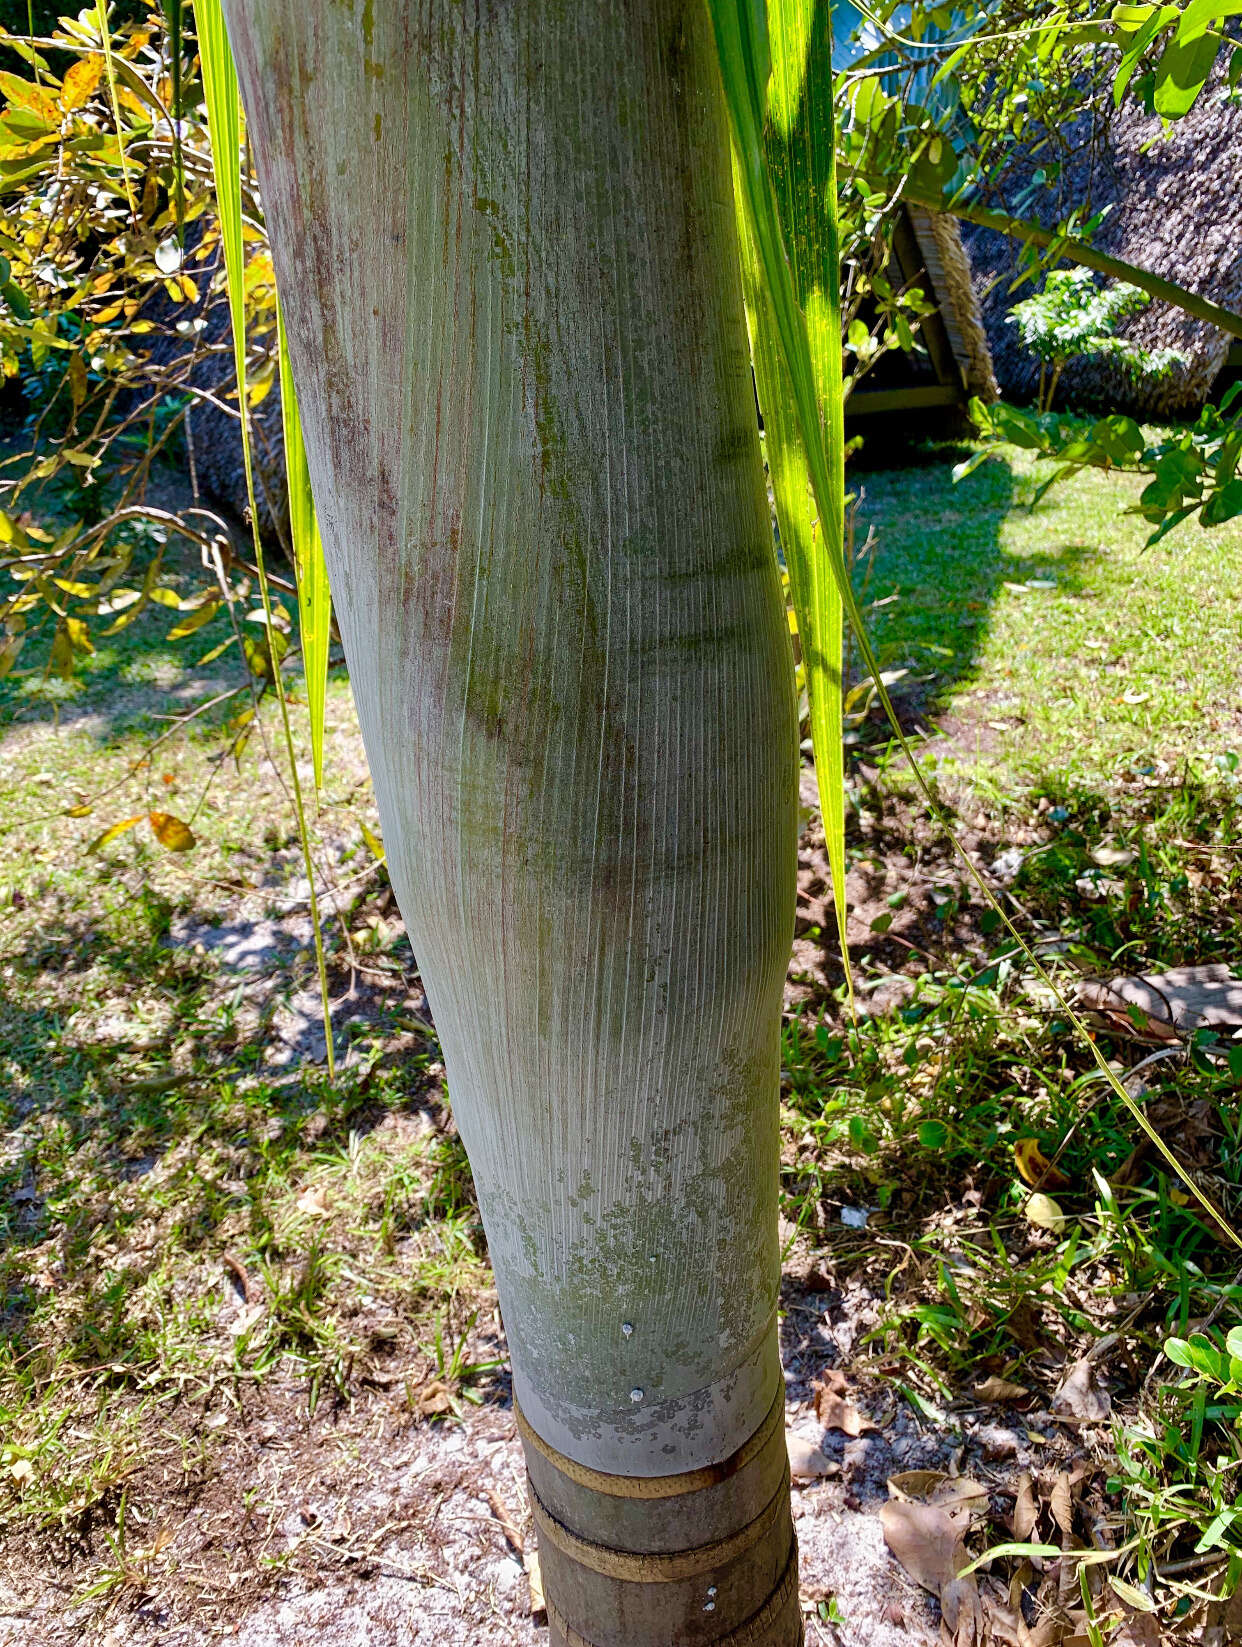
[{"x": 1078, "y": 251}]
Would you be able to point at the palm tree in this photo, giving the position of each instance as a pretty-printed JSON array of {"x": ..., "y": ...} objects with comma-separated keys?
[{"x": 504, "y": 238}]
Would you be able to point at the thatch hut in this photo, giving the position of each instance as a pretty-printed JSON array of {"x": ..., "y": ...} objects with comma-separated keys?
[
  {"x": 1173, "y": 208},
  {"x": 928, "y": 391}
]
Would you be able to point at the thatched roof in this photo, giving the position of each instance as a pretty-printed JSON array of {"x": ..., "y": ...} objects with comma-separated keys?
[
  {"x": 947, "y": 263},
  {"x": 1175, "y": 208},
  {"x": 931, "y": 387}
]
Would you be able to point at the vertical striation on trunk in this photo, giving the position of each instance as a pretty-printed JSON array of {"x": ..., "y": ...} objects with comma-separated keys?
[{"x": 504, "y": 240}]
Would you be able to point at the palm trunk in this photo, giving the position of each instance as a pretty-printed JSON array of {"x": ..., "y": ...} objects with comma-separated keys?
[{"x": 506, "y": 253}]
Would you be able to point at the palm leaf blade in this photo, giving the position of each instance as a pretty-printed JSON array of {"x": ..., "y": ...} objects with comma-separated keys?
[{"x": 314, "y": 595}]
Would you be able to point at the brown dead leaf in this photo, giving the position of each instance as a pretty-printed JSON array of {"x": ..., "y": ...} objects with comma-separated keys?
[
  {"x": 314, "y": 1202},
  {"x": 434, "y": 1398},
  {"x": 1080, "y": 1395},
  {"x": 927, "y": 1540},
  {"x": 1025, "y": 1511},
  {"x": 959, "y": 1495},
  {"x": 832, "y": 1408},
  {"x": 961, "y": 1612},
  {"x": 1045, "y": 1632},
  {"x": 1139, "y": 1630},
  {"x": 911, "y": 1485},
  {"x": 807, "y": 1463},
  {"x": 1232, "y": 1618},
  {"x": 1061, "y": 1503},
  {"x": 504, "y": 1520},
  {"x": 1000, "y": 1390},
  {"x": 1183, "y": 999}
]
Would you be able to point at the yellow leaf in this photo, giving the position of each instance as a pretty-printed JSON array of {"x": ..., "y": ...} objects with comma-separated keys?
[
  {"x": 77, "y": 379},
  {"x": 79, "y": 635},
  {"x": 373, "y": 841},
  {"x": 171, "y": 832},
  {"x": 1043, "y": 1211},
  {"x": 194, "y": 621},
  {"x": 80, "y": 82},
  {"x": 113, "y": 830},
  {"x": 83, "y": 811},
  {"x": 8, "y": 653},
  {"x": 24, "y": 94},
  {"x": 1034, "y": 1166},
  {"x": 61, "y": 659}
]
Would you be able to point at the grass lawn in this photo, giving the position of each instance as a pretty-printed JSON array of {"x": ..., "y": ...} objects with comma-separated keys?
[
  {"x": 203, "y": 1235},
  {"x": 1050, "y": 642}
]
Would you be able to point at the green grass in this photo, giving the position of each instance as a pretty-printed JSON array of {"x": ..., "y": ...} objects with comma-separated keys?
[
  {"x": 1052, "y": 641},
  {"x": 189, "y": 1225}
]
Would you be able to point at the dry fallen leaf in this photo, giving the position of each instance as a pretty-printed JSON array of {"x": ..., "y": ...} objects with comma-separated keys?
[
  {"x": 806, "y": 1463},
  {"x": 833, "y": 1410},
  {"x": 249, "y": 1316},
  {"x": 927, "y": 1541},
  {"x": 1080, "y": 1396},
  {"x": 434, "y": 1398},
  {"x": 1034, "y": 1167},
  {"x": 1042, "y": 1210},
  {"x": 22, "y": 1471},
  {"x": 1025, "y": 1511},
  {"x": 950, "y": 1492},
  {"x": 1061, "y": 1503},
  {"x": 912, "y": 1484},
  {"x": 315, "y": 1202},
  {"x": 1141, "y": 1630},
  {"x": 961, "y": 1612},
  {"x": 1183, "y": 999},
  {"x": 999, "y": 1390}
]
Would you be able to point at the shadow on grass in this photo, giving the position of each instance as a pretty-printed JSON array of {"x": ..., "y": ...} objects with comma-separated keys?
[
  {"x": 128, "y": 1143},
  {"x": 938, "y": 564}
]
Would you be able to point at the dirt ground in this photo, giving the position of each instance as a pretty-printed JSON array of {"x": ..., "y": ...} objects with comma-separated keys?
[{"x": 365, "y": 1529}]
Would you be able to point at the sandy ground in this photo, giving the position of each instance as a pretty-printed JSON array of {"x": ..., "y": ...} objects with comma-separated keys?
[{"x": 443, "y": 1565}]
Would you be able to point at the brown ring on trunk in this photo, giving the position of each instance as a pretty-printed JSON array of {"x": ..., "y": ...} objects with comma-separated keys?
[
  {"x": 638, "y": 1567},
  {"x": 654, "y": 1486},
  {"x": 778, "y": 1623},
  {"x": 640, "y": 1562}
]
